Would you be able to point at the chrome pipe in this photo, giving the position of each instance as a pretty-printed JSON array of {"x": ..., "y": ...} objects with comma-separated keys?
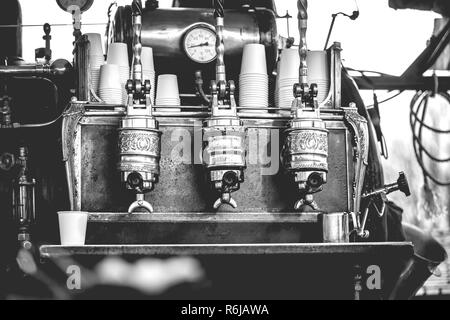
[{"x": 303, "y": 47}]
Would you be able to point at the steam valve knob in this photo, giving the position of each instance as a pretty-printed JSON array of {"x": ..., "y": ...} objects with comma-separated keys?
[
  {"x": 47, "y": 30},
  {"x": 403, "y": 184},
  {"x": 135, "y": 181},
  {"x": 230, "y": 179},
  {"x": 7, "y": 161},
  {"x": 315, "y": 180}
]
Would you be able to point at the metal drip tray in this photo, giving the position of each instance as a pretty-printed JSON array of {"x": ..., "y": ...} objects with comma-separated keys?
[
  {"x": 112, "y": 228},
  {"x": 402, "y": 250}
]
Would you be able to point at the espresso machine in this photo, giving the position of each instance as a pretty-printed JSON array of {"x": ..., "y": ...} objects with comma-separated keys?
[
  {"x": 207, "y": 174},
  {"x": 315, "y": 181}
]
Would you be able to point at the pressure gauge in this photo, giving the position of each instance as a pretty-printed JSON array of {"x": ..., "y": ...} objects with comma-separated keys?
[
  {"x": 84, "y": 5},
  {"x": 200, "y": 44}
]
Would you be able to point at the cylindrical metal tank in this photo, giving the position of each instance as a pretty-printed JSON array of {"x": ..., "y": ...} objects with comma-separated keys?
[
  {"x": 10, "y": 14},
  {"x": 164, "y": 30}
]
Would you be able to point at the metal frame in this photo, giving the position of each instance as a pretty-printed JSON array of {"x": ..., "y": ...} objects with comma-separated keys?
[
  {"x": 81, "y": 114},
  {"x": 333, "y": 99}
]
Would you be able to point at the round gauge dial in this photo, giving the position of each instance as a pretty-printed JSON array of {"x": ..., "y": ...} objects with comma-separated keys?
[
  {"x": 200, "y": 44},
  {"x": 84, "y": 5}
]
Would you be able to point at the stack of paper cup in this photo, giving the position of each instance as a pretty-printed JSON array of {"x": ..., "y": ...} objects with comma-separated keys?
[
  {"x": 96, "y": 59},
  {"x": 253, "y": 80},
  {"x": 110, "y": 87},
  {"x": 319, "y": 73},
  {"x": 148, "y": 69},
  {"x": 118, "y": 55},
  {"x": 167, "y": 93},
  {"x": 288, "y": 75}
]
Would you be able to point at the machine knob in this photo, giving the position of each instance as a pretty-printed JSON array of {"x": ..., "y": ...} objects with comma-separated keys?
[
  {"x": 403, "y": 184},
  {"x": 230, "y": 179},
  {"x": 315, "y": 180},
  {"x": 7, "y": 161},
  {"x": 135, "y": 181},
  {"x": 47, "y": 30}
]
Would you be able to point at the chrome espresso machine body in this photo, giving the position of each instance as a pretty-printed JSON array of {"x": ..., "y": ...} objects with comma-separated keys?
[
  {"x": 266, "y": 177},
  {"x": 169, "y": 31}
]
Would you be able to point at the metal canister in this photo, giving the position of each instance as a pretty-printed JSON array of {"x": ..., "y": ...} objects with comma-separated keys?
[
  {"x": 140, "y": 150},
  {"x": 306, "y": 147},
  {"x": 224, "y": 144},
  {"x": 224, "y": 155},
  {"x": 305, "y": 153},
  {"x": 336, "y": 228}
]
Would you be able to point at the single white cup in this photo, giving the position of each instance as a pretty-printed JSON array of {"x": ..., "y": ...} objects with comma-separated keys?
[
  {"x": 96, "y": 48},
  {"x": 289, "y": 65},
  {"x": 318, "y": 66},
  {"x": 167, "y": 88},
  {"x": 118, "y": 54},
  {"x": 254, "y": 59},
  {"x": 109, "y": 77},
  {"x": 148, "y": 63},
  {"x": 72, "y": 227}
]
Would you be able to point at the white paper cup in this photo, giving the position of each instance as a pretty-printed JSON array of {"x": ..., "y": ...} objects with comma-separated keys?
[
  {"x": 254, "y": 59},
  {"x": 118, "y": 54},
  {"x": 96, "y": 62},
  {"x": 109, "y": 77},
  {"x": 148, "y": 62},
  {"x": 72, "y": 227},
  {"x": 167, "y": 88},
  {"x": 318, "y": 66},
  {"x": 96, "y": 48},
  {"x": 289, "y": 65}
]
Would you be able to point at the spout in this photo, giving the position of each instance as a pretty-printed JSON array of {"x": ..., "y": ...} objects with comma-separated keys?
[
  {"x": 140, "y": 203},
  {"x": 225, "y": 199}
]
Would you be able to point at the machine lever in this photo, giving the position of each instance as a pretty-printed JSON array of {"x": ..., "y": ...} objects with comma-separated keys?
[
  {"x": 380, "y": 195},
  {"x": 401, "y": 185}
]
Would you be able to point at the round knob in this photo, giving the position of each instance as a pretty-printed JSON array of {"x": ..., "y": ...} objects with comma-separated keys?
[
  {"x": 315, "y": 180},
  {"x": 230, "y": 179},
  {"x": 314, "y": 90},
  {"x": 135, "y": 180},
  {"x": 47, "y": 29},
  {"x": 6, "y": 161},
  {"x": 61, "y": 67},
  {"x": 403, "y": 184}
]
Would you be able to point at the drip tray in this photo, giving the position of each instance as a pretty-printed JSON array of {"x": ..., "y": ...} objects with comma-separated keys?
[{"x": 110, "y": 228}]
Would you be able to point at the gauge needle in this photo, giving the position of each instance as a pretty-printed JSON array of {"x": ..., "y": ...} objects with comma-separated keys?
[{"x": 205, "y": 44}]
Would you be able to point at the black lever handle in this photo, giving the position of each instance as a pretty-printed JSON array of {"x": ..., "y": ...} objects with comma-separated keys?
[{"x": 401, "y": 185}]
